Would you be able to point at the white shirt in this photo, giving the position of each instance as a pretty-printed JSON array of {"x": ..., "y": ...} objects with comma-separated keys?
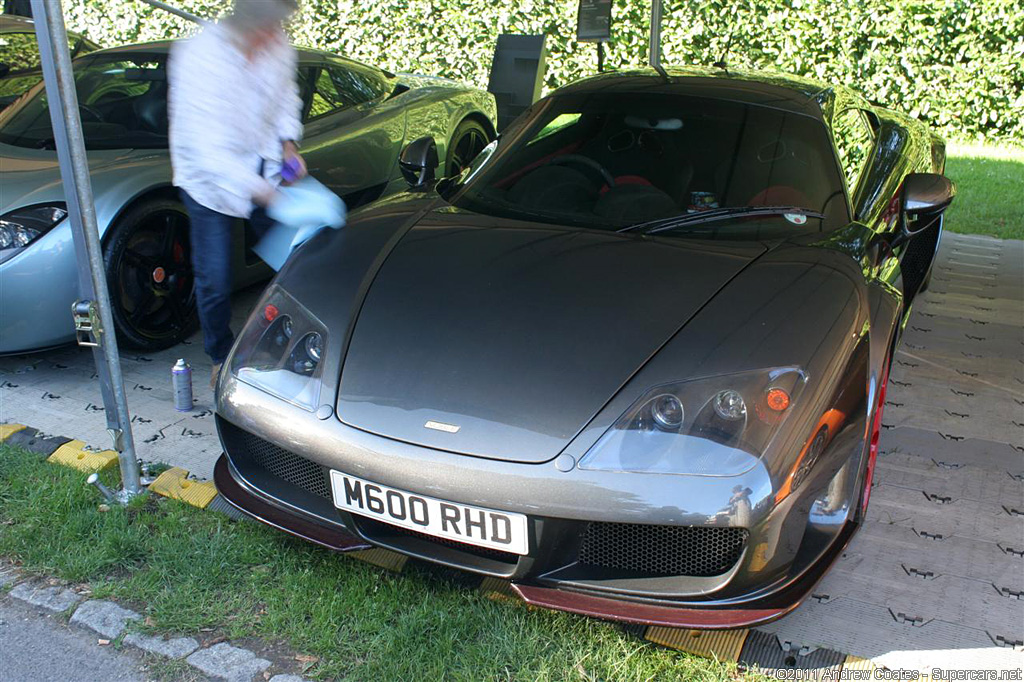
[{"x": 227, "y": 115}]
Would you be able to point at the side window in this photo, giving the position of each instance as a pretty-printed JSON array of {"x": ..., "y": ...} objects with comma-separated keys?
[
  {"x": 77, "y": 46},
  {"x": 306, "y": 80},
  {"x": 19, "y": 51},
  {"x": 557, "y": 124},
  {"x": 854, "y": 141},
  {"x": 356, "y": 85},
  {"x": 326, "y": 97}
]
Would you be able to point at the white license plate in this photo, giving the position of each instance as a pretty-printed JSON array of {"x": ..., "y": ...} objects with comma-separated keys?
[{"x": 504, "y": 531}]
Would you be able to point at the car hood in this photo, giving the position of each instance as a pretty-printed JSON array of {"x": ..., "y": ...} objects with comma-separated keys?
[
  {"x": 508, "y": 337},
  {"x": 32, "y": 176}
]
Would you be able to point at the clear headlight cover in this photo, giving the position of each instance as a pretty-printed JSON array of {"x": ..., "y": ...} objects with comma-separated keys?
[
  {"x": 281, "y": 350},
  {"x": 715, "y": 426},
  {"x": 22, "y": 226}
]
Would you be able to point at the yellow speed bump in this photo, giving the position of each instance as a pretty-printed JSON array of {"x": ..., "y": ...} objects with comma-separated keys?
[
  {"x": 725, "y": 645},
  {"x": 7, "y": 429},
  {"x": 175, "y": 484},
  {"x": 73, "y": 454}
]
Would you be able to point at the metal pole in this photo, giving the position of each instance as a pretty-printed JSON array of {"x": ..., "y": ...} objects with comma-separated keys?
[
  {"x": 174, "y": 10},
  {"x": 654, "y": 51},
  {"x": 94, "y": 307}
]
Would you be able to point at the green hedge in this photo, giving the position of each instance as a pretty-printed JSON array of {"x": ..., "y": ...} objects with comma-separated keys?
[{"x": 958, "y": 64}]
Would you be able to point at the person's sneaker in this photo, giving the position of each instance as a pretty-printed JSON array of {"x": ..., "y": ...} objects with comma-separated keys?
[{"x": 213, "y": 376}]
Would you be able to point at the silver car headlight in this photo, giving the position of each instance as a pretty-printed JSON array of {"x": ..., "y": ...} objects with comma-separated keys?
[
  {"x": 281, "y": 350},
  {"x": 716, "y": 426},
  {"x": 22, "y": 226}
]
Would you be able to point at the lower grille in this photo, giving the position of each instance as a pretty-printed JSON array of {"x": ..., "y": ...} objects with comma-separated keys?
[
  {"x": 698, "y": 551},
  {"x": 296, "y": 470},
  {"x": 485, "y": 552}
]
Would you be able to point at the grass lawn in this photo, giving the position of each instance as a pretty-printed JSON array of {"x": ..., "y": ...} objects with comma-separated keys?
[
  {"x": 990, "y": 184},
  {"x": 189, "y": 569}
]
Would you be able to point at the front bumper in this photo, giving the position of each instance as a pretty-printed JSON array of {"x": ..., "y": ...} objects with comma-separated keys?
[
  {"x": 550, "y": 576},
  {"x": 39, "y": 286},
  {"x": 266, "y": 512}
]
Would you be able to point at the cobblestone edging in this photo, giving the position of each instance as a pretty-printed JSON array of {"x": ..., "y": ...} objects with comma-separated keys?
[{"x": 220, "y": 661}]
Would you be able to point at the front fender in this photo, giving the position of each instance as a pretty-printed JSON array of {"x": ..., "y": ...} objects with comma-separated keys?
[
  {"x": 439, "y": 110},
  {"x": 117, "y": 187},
  {"x": 802, "y": 306},
  {"x": 41, "y": 283}
]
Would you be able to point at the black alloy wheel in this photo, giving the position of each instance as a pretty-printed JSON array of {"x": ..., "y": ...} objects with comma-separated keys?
[
  {"x": 469, "y": 139},
  {"x": 149, "y": 274}
]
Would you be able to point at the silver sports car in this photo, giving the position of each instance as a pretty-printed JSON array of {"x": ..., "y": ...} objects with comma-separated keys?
[
  {"x": 633, "y": 359},
  {"x": 357, "y": 119}
]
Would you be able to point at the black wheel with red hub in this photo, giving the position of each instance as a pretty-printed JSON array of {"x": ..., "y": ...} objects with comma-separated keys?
[
  {"x": 467, "y": 141},
  {"x": 149, "y": 274}
]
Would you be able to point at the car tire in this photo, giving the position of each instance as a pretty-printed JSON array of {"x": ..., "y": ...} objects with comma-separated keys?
[
  {"x": 469, "y": 138},
  {"x": 149, "y": 276}
]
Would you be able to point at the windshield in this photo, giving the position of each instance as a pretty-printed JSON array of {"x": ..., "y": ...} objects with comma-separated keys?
[
  {"x": 610, "y": 161},
  {"x": 122, "y": 102}
]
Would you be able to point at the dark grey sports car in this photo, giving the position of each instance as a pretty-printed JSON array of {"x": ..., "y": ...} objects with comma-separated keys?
[{"x": 632, "y": 359}]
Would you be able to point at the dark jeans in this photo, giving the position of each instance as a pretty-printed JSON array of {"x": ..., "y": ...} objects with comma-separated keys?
[{"x": 211, "y": 236}]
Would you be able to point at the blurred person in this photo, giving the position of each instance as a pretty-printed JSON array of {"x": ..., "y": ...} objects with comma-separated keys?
[{"x": 234, "y": 118}]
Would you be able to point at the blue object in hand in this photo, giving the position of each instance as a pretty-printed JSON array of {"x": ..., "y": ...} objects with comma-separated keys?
[{"x": 301, "y": 210}]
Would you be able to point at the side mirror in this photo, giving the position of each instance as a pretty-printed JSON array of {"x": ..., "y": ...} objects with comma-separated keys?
[
  {"x": 419, "y": 162},
  {"x": 925, "y": 197},
  {"x": 925, "y": 193}
]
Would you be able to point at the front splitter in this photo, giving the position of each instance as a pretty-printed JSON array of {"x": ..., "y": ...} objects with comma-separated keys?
[
  {"x": 723, "y": 618},
  {"x": 291, "y": 523}
]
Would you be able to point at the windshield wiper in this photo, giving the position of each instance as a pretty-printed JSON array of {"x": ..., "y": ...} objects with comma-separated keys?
[{"x": 711, "y": 215}]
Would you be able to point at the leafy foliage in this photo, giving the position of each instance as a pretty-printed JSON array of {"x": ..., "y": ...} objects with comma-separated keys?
[{"x": 957, "y": 64}]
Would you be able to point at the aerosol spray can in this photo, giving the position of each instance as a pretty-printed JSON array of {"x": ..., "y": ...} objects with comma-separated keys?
[{"x": 181, "y": 380}]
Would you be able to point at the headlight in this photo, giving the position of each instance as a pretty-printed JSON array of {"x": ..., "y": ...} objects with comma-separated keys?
[
  {"x": 281, "y": 350},
  {"x": 22, "y": 226},
  {"x": 717, "y": 426}
]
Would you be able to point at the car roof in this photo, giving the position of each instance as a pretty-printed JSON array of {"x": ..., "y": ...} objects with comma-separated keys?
[
  {"x": 11, "y": 23},
  {"x": 164, "y": 46},
  {"x": 781, "y": 91}
]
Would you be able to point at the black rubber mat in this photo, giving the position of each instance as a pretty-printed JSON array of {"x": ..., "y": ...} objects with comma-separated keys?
[{"x": 33, "y": 441}]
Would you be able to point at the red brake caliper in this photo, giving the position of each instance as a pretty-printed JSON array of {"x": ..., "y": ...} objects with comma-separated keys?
[{"x": 876, "y": 428}]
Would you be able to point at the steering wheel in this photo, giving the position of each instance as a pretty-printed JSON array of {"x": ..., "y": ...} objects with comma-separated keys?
[
  {"x": 583, "y": 161},
  {"x": 94, "y": 115}
]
